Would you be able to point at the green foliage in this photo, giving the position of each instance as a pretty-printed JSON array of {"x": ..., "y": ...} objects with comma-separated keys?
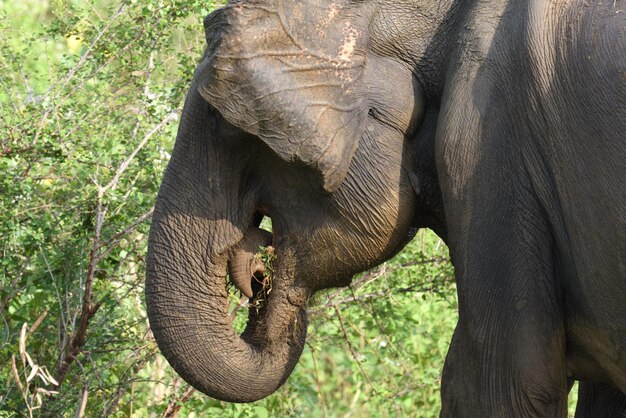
[{"x": 89, "y": 94}]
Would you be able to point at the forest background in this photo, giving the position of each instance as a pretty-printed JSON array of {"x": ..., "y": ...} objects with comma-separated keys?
[{"x": 90, "y": 94}]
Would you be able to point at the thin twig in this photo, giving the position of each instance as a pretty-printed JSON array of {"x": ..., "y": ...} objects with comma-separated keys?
[
  {"x": 121, "y": 389},
  {"x": 113, "y": 183},
  {"x": 111, "y": 243},
  {"x": 56, "y": 288},
  {"x": 174, "y": 407},
  {"x": 146, "y": 89},
  {"x": 317, "y": 381},
  {"x": 368, "y": 296},
  {"x": 373, "y": 275},
  {"x": 15, "y": 108},
  {"x": 353, "y": 351},
  {"x": 13, "y": 286}
]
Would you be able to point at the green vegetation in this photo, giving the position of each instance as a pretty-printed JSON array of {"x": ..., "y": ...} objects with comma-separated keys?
[{"x": 90, "y": 92}]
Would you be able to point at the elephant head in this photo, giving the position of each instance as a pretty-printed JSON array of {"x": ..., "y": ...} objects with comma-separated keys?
[{"x": 309, "y": 113}]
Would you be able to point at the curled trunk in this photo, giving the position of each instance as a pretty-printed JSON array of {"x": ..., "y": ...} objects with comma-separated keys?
[{"x": 200, "y": 225}]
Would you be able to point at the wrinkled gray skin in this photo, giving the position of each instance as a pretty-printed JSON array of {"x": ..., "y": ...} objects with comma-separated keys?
[{"x": 499, "y": 124}]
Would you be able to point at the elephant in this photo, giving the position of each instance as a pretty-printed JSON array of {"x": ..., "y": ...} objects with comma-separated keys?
[{"x": 498, "y": 124}]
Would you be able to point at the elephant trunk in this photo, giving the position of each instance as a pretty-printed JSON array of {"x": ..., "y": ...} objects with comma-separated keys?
[{"x": 202, "y": 227}]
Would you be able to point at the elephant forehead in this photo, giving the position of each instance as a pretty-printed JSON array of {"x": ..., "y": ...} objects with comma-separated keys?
[
  {"x": 348, "y": 46},
  {"x": 330, "y": 30}
]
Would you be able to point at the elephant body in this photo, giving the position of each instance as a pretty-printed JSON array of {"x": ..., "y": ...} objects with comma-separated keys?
[{"x": 501, "y": 125}]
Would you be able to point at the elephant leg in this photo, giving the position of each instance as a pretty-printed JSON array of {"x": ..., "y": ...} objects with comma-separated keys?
[
  {"x": 507, "y": 357},
  {"x": 596, "y": 400},
  {"x": 511, "y": 383}
]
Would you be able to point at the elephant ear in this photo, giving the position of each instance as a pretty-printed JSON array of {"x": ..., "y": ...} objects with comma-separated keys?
[{"x": 299, "y": 102}]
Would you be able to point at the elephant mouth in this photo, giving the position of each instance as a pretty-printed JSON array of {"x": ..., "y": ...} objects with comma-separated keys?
[
  {"x": 254, "y": 282},
  {"x": 250, "y": 262},
  {"x": 256, "y": 276}
]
